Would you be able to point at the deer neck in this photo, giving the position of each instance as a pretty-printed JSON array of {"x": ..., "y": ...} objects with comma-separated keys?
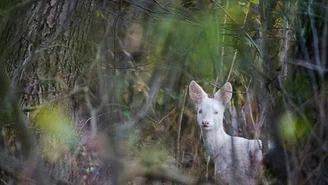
[{"x": 215, "y": 139}]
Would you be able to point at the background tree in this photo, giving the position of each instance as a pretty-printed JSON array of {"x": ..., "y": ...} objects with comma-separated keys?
[{"x": 45, "y": 51}]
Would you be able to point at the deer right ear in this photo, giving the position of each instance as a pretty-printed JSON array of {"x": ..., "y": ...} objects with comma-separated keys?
[
  {"x": 196, "y": 92},
  {"x": 224, "y": 94}
]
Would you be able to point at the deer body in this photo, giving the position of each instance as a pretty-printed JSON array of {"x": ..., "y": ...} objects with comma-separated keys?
[{"x": 237, "y": 160}]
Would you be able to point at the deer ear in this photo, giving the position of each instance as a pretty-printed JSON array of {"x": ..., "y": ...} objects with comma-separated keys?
[
  {"x": 196, "y": 92},
  {"x": 224, "y": 94}
]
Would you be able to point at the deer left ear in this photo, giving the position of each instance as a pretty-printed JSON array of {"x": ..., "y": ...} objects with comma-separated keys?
[
  {"x": 196, "y": 92},
  {"x": 224, "y": 94}
]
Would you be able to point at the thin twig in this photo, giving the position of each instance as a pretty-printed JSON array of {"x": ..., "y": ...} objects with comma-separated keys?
[
  {"x": 308, "y": 65},
  {"x": 163, "y": 7},
  {"x": 222, "y": 47},
  {"x": 179, "y": 124},
  {"x": 236, "y": 51},
  {"x": 207, "y": 165},
  {"x": 160, "y": 121},
  {"x": 232, "y": 65}
]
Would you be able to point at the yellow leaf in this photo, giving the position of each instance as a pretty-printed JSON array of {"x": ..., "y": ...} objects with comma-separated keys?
[{"x": 99, "y": 14}]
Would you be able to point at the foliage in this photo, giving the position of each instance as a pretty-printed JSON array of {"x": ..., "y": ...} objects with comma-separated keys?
[{"x": 57, "y": 131}]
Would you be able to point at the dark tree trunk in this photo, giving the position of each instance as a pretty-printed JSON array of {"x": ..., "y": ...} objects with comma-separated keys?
[
  {"x": 45, "y": 48},
  {"x": 44, "y": 52}
]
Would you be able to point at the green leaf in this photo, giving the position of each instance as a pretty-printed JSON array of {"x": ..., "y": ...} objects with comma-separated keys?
[
  {"x": 292, "y": 129},
  {"x": 58, "y": 135}
]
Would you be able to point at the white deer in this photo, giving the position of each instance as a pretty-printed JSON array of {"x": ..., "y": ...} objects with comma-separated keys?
[{"x": 237, "y": 160}]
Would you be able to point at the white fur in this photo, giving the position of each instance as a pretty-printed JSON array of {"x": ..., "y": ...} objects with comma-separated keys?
[{"x": 237, "y": 160}]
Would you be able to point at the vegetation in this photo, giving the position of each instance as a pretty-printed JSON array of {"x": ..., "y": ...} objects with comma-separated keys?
[{"x": 95, "y": 91}]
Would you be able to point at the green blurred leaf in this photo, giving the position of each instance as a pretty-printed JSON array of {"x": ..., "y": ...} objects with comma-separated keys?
[
  {"x": 57, "y": 132},
  {"x": 292, "y": 129}
]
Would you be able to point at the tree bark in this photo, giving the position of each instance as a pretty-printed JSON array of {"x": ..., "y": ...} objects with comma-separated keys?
[{"x": 45, "y": 48}]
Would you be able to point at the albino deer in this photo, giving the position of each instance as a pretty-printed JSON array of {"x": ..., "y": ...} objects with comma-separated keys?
[{"x": 237, "y": 160}]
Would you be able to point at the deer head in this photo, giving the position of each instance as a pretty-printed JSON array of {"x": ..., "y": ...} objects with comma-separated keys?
[{"x": 210, "y": 110}]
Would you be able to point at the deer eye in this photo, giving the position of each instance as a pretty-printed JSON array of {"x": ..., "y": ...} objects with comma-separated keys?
[
  {"x": 200, "y": 111},
  {"x": 216, "y": 112}
]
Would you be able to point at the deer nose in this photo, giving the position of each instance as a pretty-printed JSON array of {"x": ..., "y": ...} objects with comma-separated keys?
[{"x": 205, "y": 123}]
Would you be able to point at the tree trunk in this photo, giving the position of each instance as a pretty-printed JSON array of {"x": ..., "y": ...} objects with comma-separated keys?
[{"x": 45, "y": 49}]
